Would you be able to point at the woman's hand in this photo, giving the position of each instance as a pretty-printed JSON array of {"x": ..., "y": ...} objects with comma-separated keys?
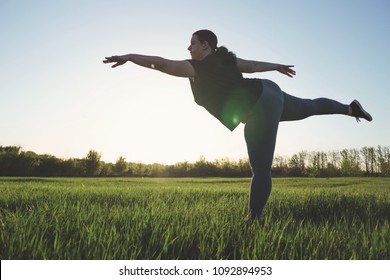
[
  {"x": 118, "y": 60},
  {"x": 286, "y": 70}
]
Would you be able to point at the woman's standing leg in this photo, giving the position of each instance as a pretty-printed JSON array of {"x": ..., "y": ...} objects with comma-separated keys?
[{"x": 260, "y": 136}]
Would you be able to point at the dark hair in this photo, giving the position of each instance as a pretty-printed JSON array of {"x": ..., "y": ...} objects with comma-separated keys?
[{"x": 208, "y": 36}]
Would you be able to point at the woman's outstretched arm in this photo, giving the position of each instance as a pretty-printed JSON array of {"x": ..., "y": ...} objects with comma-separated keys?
[
  {"x": 179, "y": 68},
  {"x": 251, "y": 66}
]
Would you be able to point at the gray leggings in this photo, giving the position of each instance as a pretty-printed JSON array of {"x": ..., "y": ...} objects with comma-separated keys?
[{"x": 261, "y": 129}]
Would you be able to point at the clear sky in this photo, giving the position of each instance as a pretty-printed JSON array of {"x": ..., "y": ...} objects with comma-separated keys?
[{"x": 57, "y": 97}]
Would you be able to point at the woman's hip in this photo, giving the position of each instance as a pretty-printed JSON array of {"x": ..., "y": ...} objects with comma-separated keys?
[{"x": 270, "y": 103}]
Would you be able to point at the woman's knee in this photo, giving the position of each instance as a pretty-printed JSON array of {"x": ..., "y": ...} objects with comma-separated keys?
[{"x": 262, "y": 173}]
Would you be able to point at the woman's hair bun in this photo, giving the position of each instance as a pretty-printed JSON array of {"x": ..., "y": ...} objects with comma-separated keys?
[{"x": 226, "y": 55}]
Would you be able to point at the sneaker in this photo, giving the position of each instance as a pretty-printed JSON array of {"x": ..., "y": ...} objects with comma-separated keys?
[{"x": 359, "y": 112}]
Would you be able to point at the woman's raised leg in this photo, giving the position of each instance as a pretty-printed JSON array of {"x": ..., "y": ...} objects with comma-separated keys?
[{"x": 298, "y": 108}]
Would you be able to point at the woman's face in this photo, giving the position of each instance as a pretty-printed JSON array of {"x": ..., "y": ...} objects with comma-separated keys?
[{"x": 197, "y": 49}]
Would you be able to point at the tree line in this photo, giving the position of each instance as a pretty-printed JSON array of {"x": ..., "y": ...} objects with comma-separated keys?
[{"x": 368, "y": 161}]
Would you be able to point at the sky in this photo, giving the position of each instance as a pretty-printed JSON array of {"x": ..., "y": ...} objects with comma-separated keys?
[{"x": 58, "y": 98}]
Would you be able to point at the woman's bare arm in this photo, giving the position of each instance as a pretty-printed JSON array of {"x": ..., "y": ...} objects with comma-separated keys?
[
  {"x": 179, "y": 68},
  {"x": 251, "y": 66}
]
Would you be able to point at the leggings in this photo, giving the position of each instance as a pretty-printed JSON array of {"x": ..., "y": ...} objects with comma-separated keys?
[{"x": 261, "y": 129}]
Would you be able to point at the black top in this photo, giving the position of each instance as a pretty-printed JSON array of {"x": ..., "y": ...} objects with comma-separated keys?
[{"x": 221, "y": 89}]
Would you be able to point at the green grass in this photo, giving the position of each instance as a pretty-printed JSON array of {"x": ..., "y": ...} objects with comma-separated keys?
[{"x": 343, "y": 218}]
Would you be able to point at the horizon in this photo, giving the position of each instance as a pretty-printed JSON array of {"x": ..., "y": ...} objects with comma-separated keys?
[{"x": 307, "y": 153}]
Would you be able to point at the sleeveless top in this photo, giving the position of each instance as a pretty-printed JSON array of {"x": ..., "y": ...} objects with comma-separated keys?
[{"x": 220, "y": 88}]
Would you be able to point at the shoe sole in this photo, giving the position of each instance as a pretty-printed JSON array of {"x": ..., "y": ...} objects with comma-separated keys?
[{"x": 367, "y": 115}]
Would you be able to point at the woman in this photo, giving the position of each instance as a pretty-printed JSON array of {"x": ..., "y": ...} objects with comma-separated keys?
[{"x": 218, "y": 85}]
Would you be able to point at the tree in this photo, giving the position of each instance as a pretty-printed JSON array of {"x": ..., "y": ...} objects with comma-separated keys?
[
  {"x": 297, "y": 164},
  {"x": 317, "y": 164},
  {"x": 366, "y": 159},
  {"x": 120, "y": 166},
  {"x": 92, "y": 163},
  {"x": 181, "y": 169},
  {"x": 10, "y": 149},
  {"x": 333, "y": 164},
  {"x": 245, "y": 168},
  {"x": 203, "y": 168},
  {"x": 372, "y": 160},
  {"x": 345, "y": 163},
  {"x": 350, "y": 164},
  {"x": 355, "y": 159},
  {"x": 280, "y": 166},
  {"x": 73, "y": 168},
  {"x": 383, "y": 160},
  {"x": 49, "y": 166},
  {"x": 28, "y": 163},
  {"x": 9, "y": 160}
]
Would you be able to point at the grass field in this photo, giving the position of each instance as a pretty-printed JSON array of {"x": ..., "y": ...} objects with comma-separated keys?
[{"x": 340, "y": 218}]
